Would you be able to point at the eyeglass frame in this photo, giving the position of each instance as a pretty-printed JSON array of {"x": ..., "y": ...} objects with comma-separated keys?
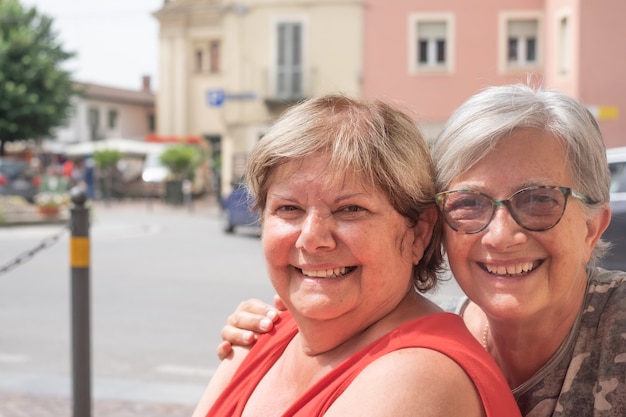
[{"x": 496, "y": 204}]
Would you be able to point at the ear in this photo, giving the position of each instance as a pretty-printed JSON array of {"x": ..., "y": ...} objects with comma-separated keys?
[
  {"x": 423, "y": 232},
  {"x": 597, "y": 225}
]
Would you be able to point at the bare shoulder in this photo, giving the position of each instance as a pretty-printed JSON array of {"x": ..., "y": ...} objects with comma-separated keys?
[
  {"x": 220, "y": 379},
  {"x": 410, "y": 380}
]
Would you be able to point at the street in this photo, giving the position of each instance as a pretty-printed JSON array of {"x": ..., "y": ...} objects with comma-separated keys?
[{"x": 163, "y": 281}]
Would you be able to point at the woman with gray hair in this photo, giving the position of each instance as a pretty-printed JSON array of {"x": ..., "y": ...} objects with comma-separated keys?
[{"x": 523, "y": 187}]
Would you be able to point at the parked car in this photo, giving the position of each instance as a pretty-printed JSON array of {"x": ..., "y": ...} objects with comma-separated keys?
[
  {"x": 237, "y": 211},
  {"x": 616, "y": 232},
  {"x": 153, "y": 175},
  {"x": 17, "y": 177}
]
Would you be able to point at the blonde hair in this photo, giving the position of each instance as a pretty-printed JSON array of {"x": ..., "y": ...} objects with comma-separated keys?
[{"x": 378, "y": 143}]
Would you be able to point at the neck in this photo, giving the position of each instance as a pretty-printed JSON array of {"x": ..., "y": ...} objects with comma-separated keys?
[{"x": 522, "y": 349}]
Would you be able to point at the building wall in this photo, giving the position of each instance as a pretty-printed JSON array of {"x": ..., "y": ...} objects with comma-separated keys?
[
  {"x": 366, "y": 47},
  {"x": 332, "y": 56},
  {"x": 433, "y": 96},
  {"x": 592, "y": 71},
  {"x": 332, "y": 62},
  {"x": 603, "y": 66}
]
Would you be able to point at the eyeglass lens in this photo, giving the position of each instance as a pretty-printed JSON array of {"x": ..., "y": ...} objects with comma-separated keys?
[{"x": 534, "y": 209}]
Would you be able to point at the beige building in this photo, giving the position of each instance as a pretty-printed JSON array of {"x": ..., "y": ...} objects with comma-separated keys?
[{"x": 228, "y": 69}]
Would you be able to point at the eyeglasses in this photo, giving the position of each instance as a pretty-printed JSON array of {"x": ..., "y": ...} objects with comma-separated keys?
[{"x": 535, "y": 208}]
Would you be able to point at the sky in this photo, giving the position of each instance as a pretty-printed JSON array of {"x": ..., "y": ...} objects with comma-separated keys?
[{"x": 115, "y": 41}]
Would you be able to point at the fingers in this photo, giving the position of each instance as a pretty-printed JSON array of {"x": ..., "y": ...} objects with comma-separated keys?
[
  {"x": 235, "y": 336},
  {"x": 251, "y": 315},
  {"x": 250, "y": 318}
]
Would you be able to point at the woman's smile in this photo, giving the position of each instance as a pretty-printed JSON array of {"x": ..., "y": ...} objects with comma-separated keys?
[
  {"x": 327, "y": 273},
  {"x": 510, "y": 270}
]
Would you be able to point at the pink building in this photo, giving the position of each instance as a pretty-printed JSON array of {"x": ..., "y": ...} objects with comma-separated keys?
[{"x": 434, "y": 55}]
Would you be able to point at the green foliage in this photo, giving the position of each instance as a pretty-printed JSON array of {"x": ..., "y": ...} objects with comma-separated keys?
[
  {"x": 181, "y": 160},
  {"x": 106, "y": 158},
  {"x": 35, "y": 91}
]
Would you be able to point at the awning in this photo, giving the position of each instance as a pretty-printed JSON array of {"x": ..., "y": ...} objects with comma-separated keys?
[
  {"x": 189, "y": 140},
  {"x": 125, "y": 146}
]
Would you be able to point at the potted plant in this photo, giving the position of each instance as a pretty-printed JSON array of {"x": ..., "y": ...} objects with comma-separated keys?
[
  {"x": 50, "y": 203},
  {"x": 181, "y": 160}
]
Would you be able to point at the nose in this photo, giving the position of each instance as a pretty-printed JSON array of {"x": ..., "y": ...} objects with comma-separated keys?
[
  {"x": 503, "y": 231},
  {"x": 316, "y": 233}
]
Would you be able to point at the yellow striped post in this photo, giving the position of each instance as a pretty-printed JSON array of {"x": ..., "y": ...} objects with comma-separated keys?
[{"x": 81, "y": 337}]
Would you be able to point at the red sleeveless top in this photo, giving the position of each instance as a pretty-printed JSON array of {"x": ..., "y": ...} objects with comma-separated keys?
[{"x": 443, "y": 332}]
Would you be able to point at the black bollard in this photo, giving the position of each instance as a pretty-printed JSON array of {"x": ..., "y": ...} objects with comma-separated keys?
[{"x": 81, "y": 345}]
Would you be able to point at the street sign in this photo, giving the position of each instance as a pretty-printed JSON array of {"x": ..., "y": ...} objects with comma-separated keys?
[{"x": 215, "y": 98}]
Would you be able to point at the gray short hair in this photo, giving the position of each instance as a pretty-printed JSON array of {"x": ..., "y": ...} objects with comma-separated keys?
[{"x": 477, "y": 126}]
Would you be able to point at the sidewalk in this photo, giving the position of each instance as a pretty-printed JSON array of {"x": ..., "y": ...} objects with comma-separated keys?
[
  {"x": 25, "y": 405},
  {"x": 17, "y": 212}
]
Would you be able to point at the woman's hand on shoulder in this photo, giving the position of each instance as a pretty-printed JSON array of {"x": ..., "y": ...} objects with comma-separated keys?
[
  {"x": 410, "y": 382},
  {"x": 251, "y": 317}
]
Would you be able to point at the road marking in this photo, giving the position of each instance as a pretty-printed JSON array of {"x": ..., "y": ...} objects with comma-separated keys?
[
  {"x": 185, "y": 370},
  {"x": 13, "y": 358}
]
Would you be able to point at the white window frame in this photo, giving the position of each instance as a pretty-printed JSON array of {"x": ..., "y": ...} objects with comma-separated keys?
[
  {"x": 564, "y": 43},
  {"x": 414, "y": 20},
  {"x": 506, "y": 67},
  {"x": 274, "y": 69}
]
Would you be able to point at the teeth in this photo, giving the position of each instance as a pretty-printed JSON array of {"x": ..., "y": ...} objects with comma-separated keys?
[
  {"x": 510, "y": 269},
  {"x": 327, "y": 273}
]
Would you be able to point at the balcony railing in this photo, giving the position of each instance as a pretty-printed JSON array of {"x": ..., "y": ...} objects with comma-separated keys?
[{"x": 287, "y": 86}]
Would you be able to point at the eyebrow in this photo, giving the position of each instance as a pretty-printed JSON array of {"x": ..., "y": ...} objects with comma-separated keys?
[{"x": 337, "y": 200}]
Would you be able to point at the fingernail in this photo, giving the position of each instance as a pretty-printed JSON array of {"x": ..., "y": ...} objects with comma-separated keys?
[
  {"x": 265, "y": 323},
  {"x": 271, "y": 314},
  {"x": 248, "y": 337}
]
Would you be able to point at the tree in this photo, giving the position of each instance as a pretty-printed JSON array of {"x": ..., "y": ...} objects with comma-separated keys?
[
  {"x": 181, "y": 160},
  {"x": 106, "y": 160},
  {"x": 35, "y": 92}
]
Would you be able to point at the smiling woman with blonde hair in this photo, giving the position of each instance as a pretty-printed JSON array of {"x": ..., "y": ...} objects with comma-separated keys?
[{"x": 350, "y": 240}]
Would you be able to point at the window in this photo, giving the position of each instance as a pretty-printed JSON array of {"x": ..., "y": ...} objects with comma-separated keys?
[
  {"x": 199, "y": 61},
  {"x": 151, "y": 122},
  {"x": 214, "y": 57},
  {"x": 207, "y": 57},
  {"x": 522, "y": 42},
  {"x": 431, "y": 42},
  {"x": 93, "y": 119},
  {"x": 564, "y": 46},
  {"x": 519, "y": 41},
  {"x": 112, "y": 122},
  {"x": 289, "y": 72}
]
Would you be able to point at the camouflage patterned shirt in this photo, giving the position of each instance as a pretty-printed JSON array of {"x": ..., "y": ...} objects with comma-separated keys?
[{"x": 587, "y": 375}]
